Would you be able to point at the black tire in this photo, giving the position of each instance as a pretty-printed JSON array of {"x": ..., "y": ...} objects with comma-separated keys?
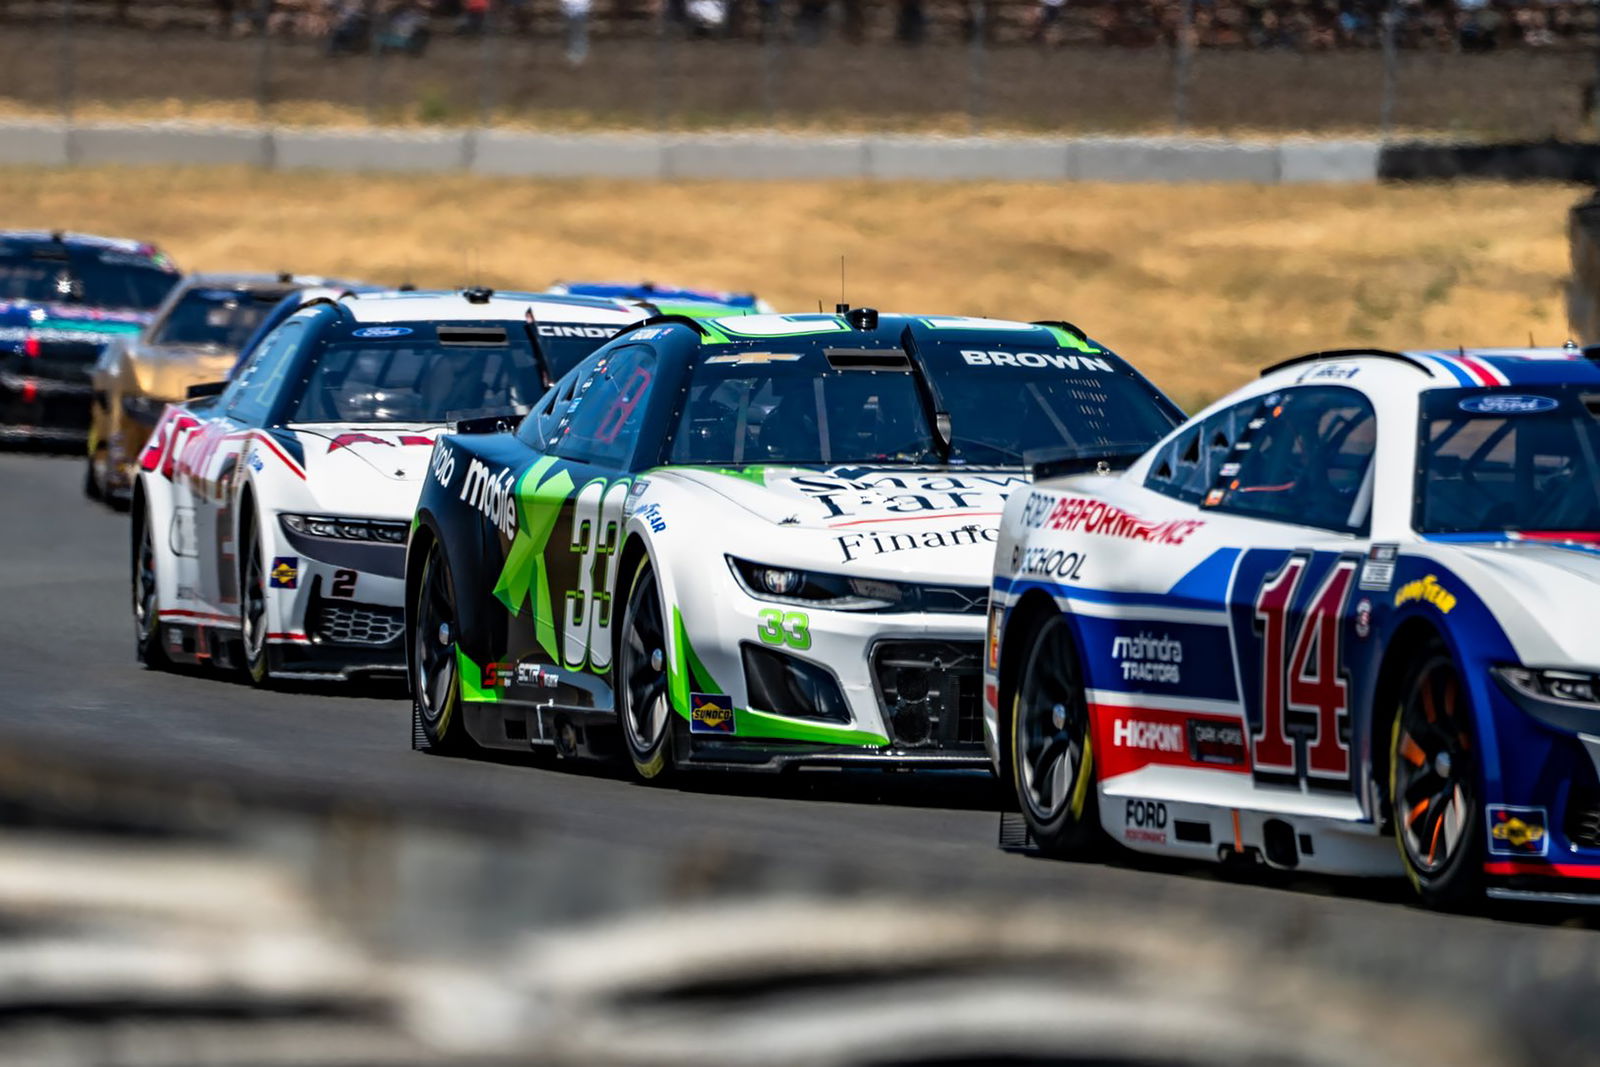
[
  {"x": 146, "y": 618},
  {"x": 436, "y": 724},
  {"x": 1434, "y": 783},
  {"x": 255, "y": 653},
  {"x": 1052, "y": 755},
  {"x": 92, "y": 486},
  {"x": 644, "y": 710}
]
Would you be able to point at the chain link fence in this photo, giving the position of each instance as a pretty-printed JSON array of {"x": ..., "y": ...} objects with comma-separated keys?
[{"x": 1477, "y": 69}]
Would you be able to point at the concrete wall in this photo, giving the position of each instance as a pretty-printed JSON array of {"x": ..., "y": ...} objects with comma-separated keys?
[{"x": 749, "y": 157}]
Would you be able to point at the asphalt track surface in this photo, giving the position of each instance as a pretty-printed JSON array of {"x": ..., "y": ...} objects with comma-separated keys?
[{"x": 69, "y": 685}]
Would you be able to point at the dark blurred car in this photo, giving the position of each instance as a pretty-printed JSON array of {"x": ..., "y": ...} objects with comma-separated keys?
[
  {"x": 668, "y": 299},
  {"x": 194, "y": 337},
  {"x": 63, "y": 298}
]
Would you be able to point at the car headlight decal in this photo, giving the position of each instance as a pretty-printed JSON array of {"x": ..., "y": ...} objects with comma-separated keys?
[
  {"x": 338, "y": 528},
  {"x": 1574, "y": 688}
]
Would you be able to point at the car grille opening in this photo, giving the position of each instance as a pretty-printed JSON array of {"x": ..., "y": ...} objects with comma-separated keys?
[
  {"x": 787, "y": 685},
  {"x": 931, "y": 692},
  {"x": 1583, "y": 818},
  {"x": 338, "y": 623}
]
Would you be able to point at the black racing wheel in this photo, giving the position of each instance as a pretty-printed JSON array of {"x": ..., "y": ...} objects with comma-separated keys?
[
  {"x": 1052, "y": 757},
  {"x": 643, "y": 707},
  {"x": 1433, "y": 782}
]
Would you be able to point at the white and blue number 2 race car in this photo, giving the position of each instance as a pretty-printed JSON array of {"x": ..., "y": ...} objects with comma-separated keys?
[{"x": 1349, "y": 607}]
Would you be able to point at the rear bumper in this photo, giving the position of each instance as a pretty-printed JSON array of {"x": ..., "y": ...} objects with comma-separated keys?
[{"x": 42, "y": 409}]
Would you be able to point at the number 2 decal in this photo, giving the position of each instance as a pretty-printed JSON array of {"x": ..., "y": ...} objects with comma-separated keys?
[
  {"x": 343, "y": 584},
  {"x": 1304, "y": 693}
]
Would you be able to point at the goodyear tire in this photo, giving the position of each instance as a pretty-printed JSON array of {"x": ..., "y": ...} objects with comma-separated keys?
[
  {"x": 644, "y": 710},
  {"x": 435, "y": 673},
  {"x": 256, "y": 653},
  {"x": 1052, "y": 754},
  {"x": 146, "y": 616},
  {"x": 1434, "y": 783}
]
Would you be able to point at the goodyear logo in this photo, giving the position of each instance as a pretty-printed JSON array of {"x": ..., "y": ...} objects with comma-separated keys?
[
  {"x": 1427, "y": 590},
  {"x": 285, "y": 572},
  {"x": 710, "y": 713},
  {"x": 1517, "y": 831}
]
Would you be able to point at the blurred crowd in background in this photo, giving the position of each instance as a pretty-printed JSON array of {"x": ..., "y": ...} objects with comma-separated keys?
[{"x": 351, "y": 26}]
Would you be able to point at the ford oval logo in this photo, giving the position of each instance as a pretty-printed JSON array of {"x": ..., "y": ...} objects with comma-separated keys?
[
  {"x": 1509, "y": 404},
  {"x": 381, "y": 331}
]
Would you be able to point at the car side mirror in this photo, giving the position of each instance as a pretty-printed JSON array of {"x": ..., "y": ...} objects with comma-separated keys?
[
  {"x": 489, "y": 424},
  {"x": 201, "y": 390},
  {"x": 941, "y": 426}
]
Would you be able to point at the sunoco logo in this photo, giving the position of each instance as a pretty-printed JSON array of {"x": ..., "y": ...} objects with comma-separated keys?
[{"x": 491, "y": 494}]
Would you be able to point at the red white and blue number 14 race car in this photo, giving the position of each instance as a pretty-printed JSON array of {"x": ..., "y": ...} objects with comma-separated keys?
[{"x": 1351, "y": 602}]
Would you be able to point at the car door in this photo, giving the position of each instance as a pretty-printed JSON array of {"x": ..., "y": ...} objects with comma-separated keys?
[
  {"x": 212, "y": 460},
  {"x": 594, "y": 442},
  {"x": 1296, "y": 487}
]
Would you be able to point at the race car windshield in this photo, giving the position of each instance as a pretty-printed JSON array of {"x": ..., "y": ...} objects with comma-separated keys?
[
  {"x": 1004, "y": 405},
  {"x": 415, "y": 378},
  {"x": 79, "y": 280},
  {"x": 792, "y": 408},
  {"x": 1504, "y": 460},
  {"x": 215, "y": 318},
  {"x": 798, "y": 407}
]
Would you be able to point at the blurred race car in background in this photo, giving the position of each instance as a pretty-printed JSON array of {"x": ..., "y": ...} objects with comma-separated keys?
[
  {"x": 747, "y": 542},
  {"x": 63, "y": 298},
  {"x": 270, "y": 518},
  {"x": 195, "y": 336},
  {"x": 1343, "y": 620},
  {"x": 668, "y": 299}
]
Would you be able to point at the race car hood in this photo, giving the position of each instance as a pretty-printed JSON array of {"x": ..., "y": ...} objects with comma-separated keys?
[
  {"x": 20, "y": 319},
  {"x": 890, "y": 522},
  {"x": 338, "y": 458},
  {"x": 1554, "y": 584}
]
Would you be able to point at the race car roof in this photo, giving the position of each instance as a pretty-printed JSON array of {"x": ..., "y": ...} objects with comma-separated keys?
[
  {"x": 428, "y": 306},
  {"x": 887, "y": 327},
  {"x": 86, "y": 242},
  {"x": 1453, "y": 368}
]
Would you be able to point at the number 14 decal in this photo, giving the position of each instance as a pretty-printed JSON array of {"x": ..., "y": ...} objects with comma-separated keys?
[{"x": 1304, "y": 694}]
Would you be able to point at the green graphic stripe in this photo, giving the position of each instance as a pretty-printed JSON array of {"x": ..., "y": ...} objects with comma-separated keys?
[
  {"x": 472, "y": 680},
  {"x": 688, "y": 674},
  {"x": 755, "y": 475},
  {"x": 525, "y": 575},
  {"x": 1067, "y": 340}
]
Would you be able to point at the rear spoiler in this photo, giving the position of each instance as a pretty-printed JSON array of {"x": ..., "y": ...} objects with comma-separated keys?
[{"x": 1045, "y": 465}]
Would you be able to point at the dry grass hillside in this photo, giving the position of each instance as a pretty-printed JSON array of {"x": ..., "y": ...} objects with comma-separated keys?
[{"x": 1198, "y": 285}]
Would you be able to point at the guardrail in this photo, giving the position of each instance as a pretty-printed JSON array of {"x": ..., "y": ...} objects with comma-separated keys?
[{"x": 685, "y": 156}]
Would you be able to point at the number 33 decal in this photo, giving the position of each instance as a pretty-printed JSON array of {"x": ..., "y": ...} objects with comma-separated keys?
[
  {"x": 792, "y": 628},
  {"x": 1304, "y": 693}
]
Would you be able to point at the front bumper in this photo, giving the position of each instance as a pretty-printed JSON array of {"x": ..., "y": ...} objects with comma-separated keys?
[{"x": 889, "y": 689}]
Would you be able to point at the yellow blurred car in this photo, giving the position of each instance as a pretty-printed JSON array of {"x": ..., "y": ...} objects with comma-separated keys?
[{"x": 194, "y": 337}]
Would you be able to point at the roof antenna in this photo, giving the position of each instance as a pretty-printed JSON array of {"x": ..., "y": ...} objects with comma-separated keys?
[
  {"x": 1530, "y": 340},
  {"x": 532, "y": 326},
  {"x": 819, "y": 305},
  {"x": 844, "y": 305}
]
